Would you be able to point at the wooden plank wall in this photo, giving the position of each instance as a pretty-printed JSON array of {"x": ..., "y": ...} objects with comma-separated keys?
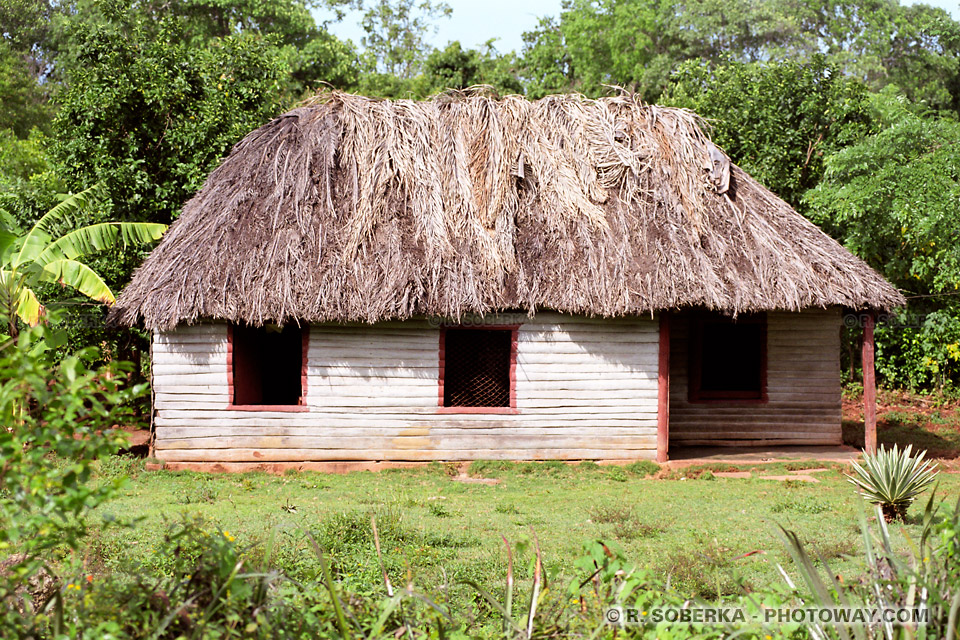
[
  {"x": 803, "y": 385},
  {"x": 586, "y": 389}
]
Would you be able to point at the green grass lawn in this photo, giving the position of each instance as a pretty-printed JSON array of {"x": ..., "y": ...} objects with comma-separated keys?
[{"x": 437, "y": 529}]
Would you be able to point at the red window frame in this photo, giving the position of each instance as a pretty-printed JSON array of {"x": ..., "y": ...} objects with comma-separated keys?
[
  {"x": 304, "y": 356},
  {"x": 695, "y": 393},
  {"x": 512, "y": 409}
]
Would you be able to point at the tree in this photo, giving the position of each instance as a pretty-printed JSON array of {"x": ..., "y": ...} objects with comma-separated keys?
[
  {"x": 892, "y": 199},
  {"x": 743, "y": 30},
  {"x": 396, "y": 32},
  {"x": 289, "y": 20},
  {"x": 546, "y": 65},
  {"x": 43, "y": 44},
  {"x": 25, "y": 27},
  {"x": 150, "y": 117},
  {"x": 311, "y": 53},
  {"x": 324, "y": 60},
  {"x": 777, "y": 120},
  {"x": 601, "y": 43},
  {"x": 23, "y": 101},
  {"x": 637, "y": 44},
  {"x": 199, "y": 21},
  {"x": 881, "y": 42},
  {"x": 38, "y": 256},
  {"x": 459, "y": 68},
  {"x": 28, "y": 184},
  {"x": 154, "y": 99}
]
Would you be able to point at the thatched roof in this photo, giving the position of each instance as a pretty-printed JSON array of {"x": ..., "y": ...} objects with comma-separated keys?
[{"x": 354, "y": 209}]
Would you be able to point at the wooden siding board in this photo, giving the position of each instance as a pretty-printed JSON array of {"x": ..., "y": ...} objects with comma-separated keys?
[
  {"x": 803, "y": 388},
  {"x": 398, "y": 428},
  {"x": 427, "y": 441},
  {"x": 412, "y": 455},
  {"x": 585, "y": 388}
]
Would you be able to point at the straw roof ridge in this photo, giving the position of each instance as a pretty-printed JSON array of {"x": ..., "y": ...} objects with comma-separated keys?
[{"x": 355, "y": 209}]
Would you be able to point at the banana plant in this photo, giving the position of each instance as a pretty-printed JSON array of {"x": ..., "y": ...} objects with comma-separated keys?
[{"x": 39, "y": 256}]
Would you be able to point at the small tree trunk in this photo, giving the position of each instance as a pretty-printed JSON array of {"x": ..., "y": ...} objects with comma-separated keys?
[{"x": 894, "y": 512}]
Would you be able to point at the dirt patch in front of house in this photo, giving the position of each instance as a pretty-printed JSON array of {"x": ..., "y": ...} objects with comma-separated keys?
[
  {"x": 139, "y": 441},
  {"x": 930, "y": 423}
]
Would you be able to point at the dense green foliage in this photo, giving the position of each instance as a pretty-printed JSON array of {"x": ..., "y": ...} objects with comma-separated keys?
[
  {"x": 906, "y": 180},
  {"x": 28, "y": 183},
  {"x": 847, "y": 109},
  {"x": 779, "y": 120},
  {"x": 150, "y": 116},
  {"x": 54, "y": 414},
  {"x": 459, "y": 68},
  {"x": 23, "y": 105},
  {"x": 891, "y": 198},
  {"x": 639, "y": 43}
]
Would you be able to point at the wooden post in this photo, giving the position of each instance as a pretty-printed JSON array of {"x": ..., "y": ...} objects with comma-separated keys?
[
  {"x": 151, "y": 446},
  {"x": 663, "y": 389},
  {"x": 869, "y": 386}
]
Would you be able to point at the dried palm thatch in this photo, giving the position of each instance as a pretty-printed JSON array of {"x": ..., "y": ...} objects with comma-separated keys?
[{"x": 354, "y": 209}]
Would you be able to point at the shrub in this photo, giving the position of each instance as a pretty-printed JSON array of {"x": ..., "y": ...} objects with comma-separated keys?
[
  {"x": 617, "y": 474},
  {"x": 924, "y": 576},
  {"x": 439, "y": 511},
  {"x": 208, "y": 588},
  {"x": 57, "y": 418},
  {"x": 892, "y": 479}
]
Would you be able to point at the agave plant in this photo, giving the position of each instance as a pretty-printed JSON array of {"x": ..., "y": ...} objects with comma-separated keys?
[{"x": 893, "y": 479}]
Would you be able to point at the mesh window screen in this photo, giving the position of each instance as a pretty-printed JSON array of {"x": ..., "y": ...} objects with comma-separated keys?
[{"x": 476, "y": 369}]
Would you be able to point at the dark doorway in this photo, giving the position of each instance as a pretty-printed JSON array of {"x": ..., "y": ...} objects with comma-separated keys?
[{"x": 728, "y": 358}]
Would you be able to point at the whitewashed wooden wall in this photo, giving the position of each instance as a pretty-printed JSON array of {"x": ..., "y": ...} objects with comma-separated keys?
[
  {"x": 586, "y": 389},
  {"x": 803, "y": 386}
]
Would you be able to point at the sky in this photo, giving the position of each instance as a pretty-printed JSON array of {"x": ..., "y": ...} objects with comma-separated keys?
[
  {"x": 475, "y": 21},
  {"x": 952, "y": 6}
]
